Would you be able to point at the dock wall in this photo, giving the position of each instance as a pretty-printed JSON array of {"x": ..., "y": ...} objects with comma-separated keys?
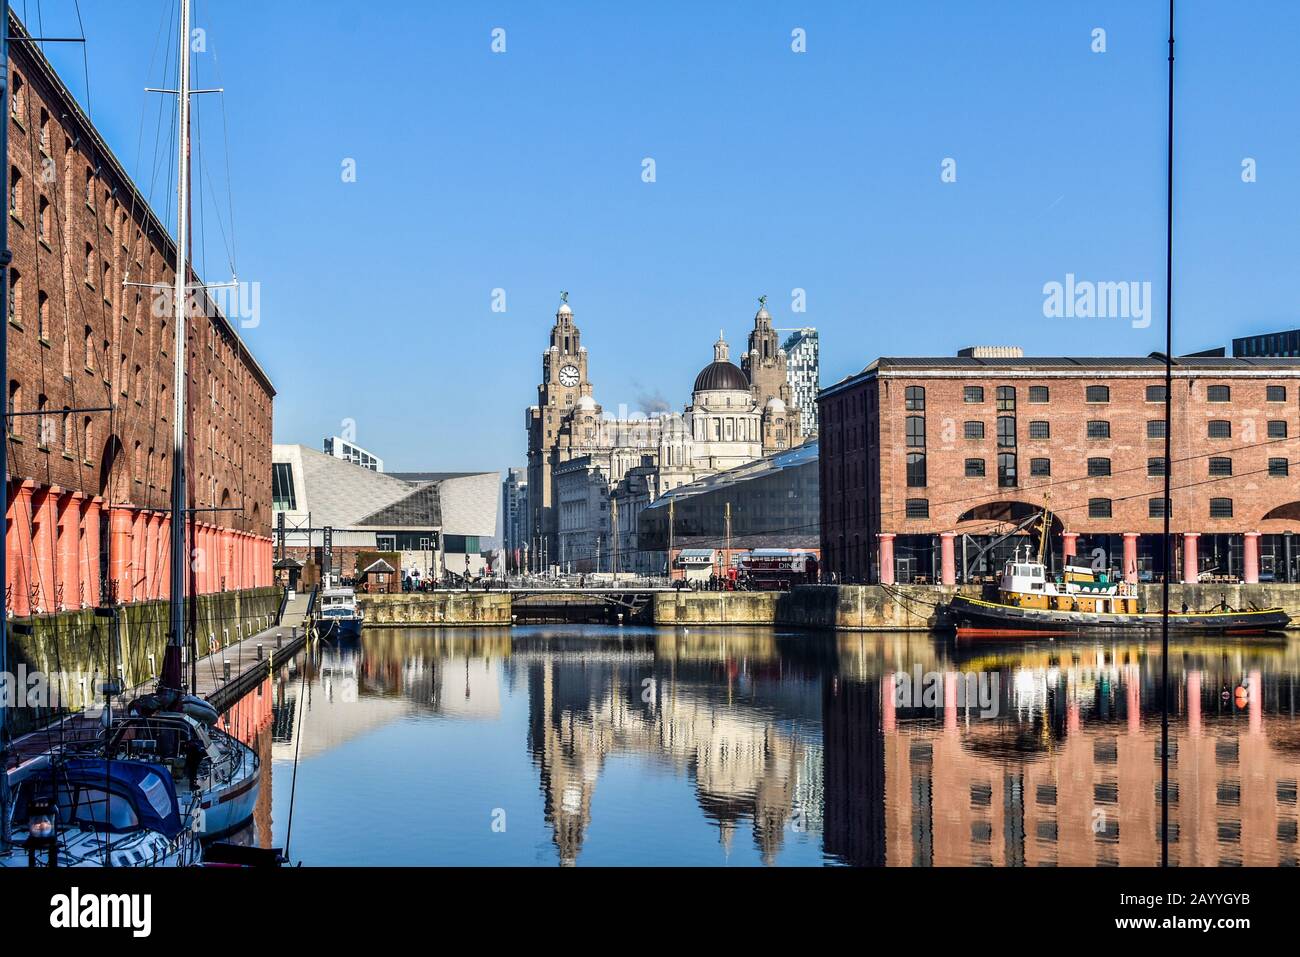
[
  {"x": 437, "y": 608},
  {"x": 912, "y": 607},
  {"x": 80, "y": 642}
]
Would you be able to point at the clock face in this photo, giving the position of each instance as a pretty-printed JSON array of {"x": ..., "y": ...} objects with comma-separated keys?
[{"x": 569, "y": 375}]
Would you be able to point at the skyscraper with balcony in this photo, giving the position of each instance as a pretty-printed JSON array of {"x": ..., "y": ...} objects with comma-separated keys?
[{"x": 803, "y": 371}]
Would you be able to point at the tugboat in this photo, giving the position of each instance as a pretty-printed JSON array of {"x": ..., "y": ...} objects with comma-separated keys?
[{"x": 1030, "y": 604}]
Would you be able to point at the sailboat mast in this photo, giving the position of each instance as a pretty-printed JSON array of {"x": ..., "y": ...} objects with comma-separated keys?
[{"x": 171, "y": 676}]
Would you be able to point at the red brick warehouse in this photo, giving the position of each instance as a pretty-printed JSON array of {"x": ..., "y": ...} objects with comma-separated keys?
[
  {"x": 89, "y": 491},
  {"x": 925, "y": 460}
]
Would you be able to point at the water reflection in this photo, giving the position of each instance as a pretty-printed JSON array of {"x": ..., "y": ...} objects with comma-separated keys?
[{"x": 586, "y": 744}]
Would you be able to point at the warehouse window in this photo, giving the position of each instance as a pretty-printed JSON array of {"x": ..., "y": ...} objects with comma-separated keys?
[
  {"x": 973, "y": 394},
  {"x": 1220, "y": 429},
  {"x": 1277, "y": 393},
  {"x": 1220, "y": 466},
  {"x": 974, "y": 430},
  {"x": 1098, "y": 429},
  {"x": 914, "y": 398},
  {"x": 1155, "y": 393},
  {"x": 918, "y": 508},
  {"x": 1099, "y": 508},
  {"x": 916, "y": 431},
  {"x": 1006, "y": 398},
  {"x": 1040, "y": 430},
  {"x": 1279, "y": 468},
  {"x": 1219, "y": 393},
  {"x": 1098, "y": 467},
  {"x": 1038, "y": 394},
  {"x": 1040, "y": 468},
  {"x": 1220, "y": 508},
  {"x": 975, "y": 468},
  {"x": 1156, "y": 466},
  {"x": 1006, "y": 432},
  {"x": 916, "y": 470},
  {"x": 1156, "y": 507},
  {"x": 1276, "y": 429},
  {"x": 1006, "y": 470},
  {"x": 1097, "y": 393},
  {"x": 1156, "y": 429}
]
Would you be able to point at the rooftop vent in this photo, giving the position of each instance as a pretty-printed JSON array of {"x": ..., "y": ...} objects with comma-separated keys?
[{"x": 991, "y": 352}]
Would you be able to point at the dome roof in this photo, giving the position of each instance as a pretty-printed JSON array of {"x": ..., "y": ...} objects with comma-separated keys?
[
  {"x": 775, "y": 404},
  {"x": 586, "y": 403},
  {"x": 564, "y": 310},
  {"x": 721, "y": 376}
]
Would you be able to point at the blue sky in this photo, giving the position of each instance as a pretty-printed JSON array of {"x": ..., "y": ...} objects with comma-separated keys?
[{"x": 775, "y": 170}]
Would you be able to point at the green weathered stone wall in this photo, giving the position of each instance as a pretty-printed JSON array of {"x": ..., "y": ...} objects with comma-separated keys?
[
  {"x": 81, "y": 641},
  {"x": 437, "y": 608}
]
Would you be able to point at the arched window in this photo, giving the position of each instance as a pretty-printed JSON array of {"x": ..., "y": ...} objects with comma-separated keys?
[
  {"x": 16, "y": 95},
  {"x": 16, "y": 192},
  {"x": 90, "y": 349},
  {"x": 67, "y": 429},
  {"x": 90, "y": 265},
  {"x": 15, "y": 296},
  {"x": 87, "y": 436},
  {"x": 43, "y": 220},
  {"x": 42, "y": 315},
  {"x": 15, "y": 406},
  {"x": 45, "y": 423}
]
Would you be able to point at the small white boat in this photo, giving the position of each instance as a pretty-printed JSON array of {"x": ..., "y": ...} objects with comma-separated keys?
[{"x": 339, "y": 616}]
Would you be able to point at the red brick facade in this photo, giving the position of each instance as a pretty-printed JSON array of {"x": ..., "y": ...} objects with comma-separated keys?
[
  {"x": 992, "y": 440},
  {"x": 89, "y": 491}
]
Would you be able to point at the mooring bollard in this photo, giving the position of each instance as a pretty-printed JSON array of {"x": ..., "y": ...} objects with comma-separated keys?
[
  {"x": 259, "y": 651},
  {"x": 225, "y": 668}
]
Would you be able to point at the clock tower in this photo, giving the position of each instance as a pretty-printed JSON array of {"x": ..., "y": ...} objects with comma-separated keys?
[{"x": 564, "y": 383}]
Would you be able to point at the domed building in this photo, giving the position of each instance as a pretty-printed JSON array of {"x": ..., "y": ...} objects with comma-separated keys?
[
  {"x": 725, "y": 427},
  {"x": 590, "y": 475}
]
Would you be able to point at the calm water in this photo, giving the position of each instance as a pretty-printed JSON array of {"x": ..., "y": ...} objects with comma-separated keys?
[{"x": 583, "y": 744}]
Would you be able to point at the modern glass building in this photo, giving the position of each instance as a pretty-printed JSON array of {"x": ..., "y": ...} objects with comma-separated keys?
[
  {"x": 1280, "y": 344},
  {"x": 771, "y": 502}
]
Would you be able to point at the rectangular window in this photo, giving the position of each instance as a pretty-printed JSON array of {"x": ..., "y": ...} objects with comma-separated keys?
[
  {"x": 1040, "y": 430},
  {"x": 1040, "y": 468},
  {"x": 1099, "y": 508},
  {"x": 1038, "y": 394},
  {"x": 1155, "y": 393},
  {"x": 918, "y": 508},
  {"x": 1006, "y": 432},
  {"x": 1155, "y": 428},
  {"x": 1276, "y": 429},
  {"x": 1156, "y": 507},
  {"x": 1277, "y": 393},
  {"x": 1279, "y": 468},
  {"x": 975, "y": 468},
  {"x": 1220, "y": 429},
  {"x": 1098, "y": 467},
  {"x": 1218, "y": 393},
  {"x": 1098, "y": 429},
  {"x": 916, "y": 470},
  {"x": 1156, "y": 466},
  {"x": 1006, "y": 398},
  {"x": 916, "y": 431},
  {"x": 973, "y": 394},
  {"x": 282, "y": 492},
  {"x": 974, "y": 430},
  {"x": 1006, "y": 470},
  {"x": 1220, "y": 508},
  {"x": 1220, "y": 466},
  {"x": 914, "y": 399},
  {"x": 1097, "y": 393}
]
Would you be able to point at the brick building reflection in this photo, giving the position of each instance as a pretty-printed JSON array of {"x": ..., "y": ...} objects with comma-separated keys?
[{"x": 1069, "y": 773}]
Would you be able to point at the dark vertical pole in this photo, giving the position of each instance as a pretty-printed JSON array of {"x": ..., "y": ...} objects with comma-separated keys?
[
  {"x": 1169, "y": 465},
  {"x": 5, "y": 257}
]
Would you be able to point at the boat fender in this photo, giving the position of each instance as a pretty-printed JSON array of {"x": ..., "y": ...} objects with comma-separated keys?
[{"x": 199, "y": 709}]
